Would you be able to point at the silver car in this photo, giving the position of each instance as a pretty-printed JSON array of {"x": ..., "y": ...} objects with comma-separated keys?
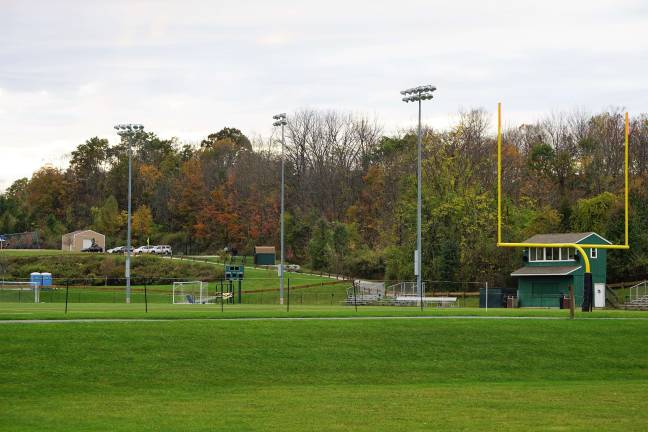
[{"x": 162, "y": 250}]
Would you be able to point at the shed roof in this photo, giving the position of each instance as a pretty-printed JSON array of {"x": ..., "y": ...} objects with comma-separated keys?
[
  {"x": 563, "y": 238},
  {"x": 264, "y": 249},
  {"x": 545, "y": 271},
  {"x": 73, "y": 233}
]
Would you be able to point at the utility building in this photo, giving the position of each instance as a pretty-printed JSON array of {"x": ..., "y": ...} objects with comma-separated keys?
[
  {"x": 548, "y": 271},
  {"x": 264, "y": 255},
  {"x": 78, "y": 240}
]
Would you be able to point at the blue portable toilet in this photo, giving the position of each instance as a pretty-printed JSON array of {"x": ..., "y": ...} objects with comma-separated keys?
[
  {"x": 36, "y": 277},
  {"x": 46, "y": 279}
]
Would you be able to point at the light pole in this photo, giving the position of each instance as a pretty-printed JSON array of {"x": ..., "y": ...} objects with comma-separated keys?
[
  {"x": 281, "y": 121},
  {"x": 418, "y": 94},
  {"x": 127, "y": 130},
  {"x": 2, "y": 264}
]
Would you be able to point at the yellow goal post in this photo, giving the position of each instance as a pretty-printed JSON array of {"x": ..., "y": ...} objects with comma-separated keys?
[{"x": 579, "y": 247}]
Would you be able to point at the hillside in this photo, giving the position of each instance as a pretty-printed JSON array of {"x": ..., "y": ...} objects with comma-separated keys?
[{"x": 102, "y": 267}]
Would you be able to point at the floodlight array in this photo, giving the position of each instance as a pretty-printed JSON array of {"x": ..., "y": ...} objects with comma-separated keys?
[
  {"x": 419, "y": 93},
  {"x": 281, "y": 119},
  {"x": 128, "y": 128}
]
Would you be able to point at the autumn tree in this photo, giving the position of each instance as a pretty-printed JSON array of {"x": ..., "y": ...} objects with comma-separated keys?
[{"x": 142, "y": 223}]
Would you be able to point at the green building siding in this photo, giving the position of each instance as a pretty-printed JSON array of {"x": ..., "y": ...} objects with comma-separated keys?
[
  {"x": 546, "y": 291},
  {"x": 264, "y": 259}
]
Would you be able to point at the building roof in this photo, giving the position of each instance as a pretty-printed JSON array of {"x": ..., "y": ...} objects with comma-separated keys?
[
  {"x": 545, "y": 271},
  {"x": 563, "y": 238},
  {"x": 73, "y": 233},
  {"x": 264, "y": 249}
]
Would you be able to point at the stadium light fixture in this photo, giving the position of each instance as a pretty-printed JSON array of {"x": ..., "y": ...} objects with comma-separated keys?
[
  {"x": 280, "y": 120},
  {"x": 127, "y": 131},
  {"x": 418, "y": 94}
]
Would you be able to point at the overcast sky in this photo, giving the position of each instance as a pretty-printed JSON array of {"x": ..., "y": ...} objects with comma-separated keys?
[{"x": 70, "y": 70}]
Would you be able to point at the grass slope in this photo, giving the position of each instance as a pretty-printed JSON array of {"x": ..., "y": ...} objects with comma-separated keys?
[
  {"x": 396, "y": 375},
  {"x": 84, "y": 266}
]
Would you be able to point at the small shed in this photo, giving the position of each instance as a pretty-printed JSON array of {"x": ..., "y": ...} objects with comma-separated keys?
[
  {"x": 79, "y": 240},
  {"x": 548, "y": 272},
  {"x": 264, "y": 255}
]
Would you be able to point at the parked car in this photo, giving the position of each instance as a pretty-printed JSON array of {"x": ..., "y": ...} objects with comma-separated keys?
[
  {"x": 143, "y": 250},
  {"x": 93, "y": 248},
  {"x": 118, "y": 249},
  {"x": 162, "y": 250}
]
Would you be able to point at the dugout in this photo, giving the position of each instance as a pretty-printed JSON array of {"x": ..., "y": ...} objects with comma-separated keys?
[{"x": 264, "y": 255}]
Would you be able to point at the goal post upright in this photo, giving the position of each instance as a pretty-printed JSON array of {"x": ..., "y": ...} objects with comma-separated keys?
[
  {"x": 626, "y": 163},
  {"x": 499, "y": 173}
]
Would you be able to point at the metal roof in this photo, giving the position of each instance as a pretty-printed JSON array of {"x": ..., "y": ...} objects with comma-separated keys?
[
  {"x": 77, "y": 232},
  {"x": 563, "y": 238},
  {"x": 545, "y": 270},
  {"x": 264, "y": 249}
]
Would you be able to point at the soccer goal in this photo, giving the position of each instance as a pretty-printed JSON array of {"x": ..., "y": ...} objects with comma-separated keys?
[
  {"x": 21, "y": 292},
  {"x": 194, "y": 292}
]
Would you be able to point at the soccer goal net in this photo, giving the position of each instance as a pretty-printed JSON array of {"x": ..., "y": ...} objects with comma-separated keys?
[
  {"x": 194, "y": 292},
  {"x": 21, "y": 292}
]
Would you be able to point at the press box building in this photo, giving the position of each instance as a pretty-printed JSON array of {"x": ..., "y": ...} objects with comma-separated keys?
[{"x": 548, "y": 271}]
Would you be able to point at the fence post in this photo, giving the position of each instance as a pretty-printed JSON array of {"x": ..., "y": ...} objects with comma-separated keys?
[
  {"x": 67, "y": 290},
  {"x": 145, "y": 298},
  {"x": 421, "y": 295},
  {"x": 355, "y": 297},
  {"x": 221, "y": 287},
  {"x": 571, "y": 301},
  {"x": 288, "y": 298}
]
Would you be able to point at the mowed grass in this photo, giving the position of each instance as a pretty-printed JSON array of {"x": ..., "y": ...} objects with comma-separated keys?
[
  {"x": 380, "y": 375},
  {"x": 256, "y": 278},
  {"x": 56, "y": 311},
  {"x": 304, "y": 292}
]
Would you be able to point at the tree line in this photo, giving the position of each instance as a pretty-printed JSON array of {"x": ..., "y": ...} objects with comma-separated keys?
[{"x": 351, "y": 193}]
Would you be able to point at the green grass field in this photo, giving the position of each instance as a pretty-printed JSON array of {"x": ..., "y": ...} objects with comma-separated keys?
[
  {"x": 207, "y": 368},
  {"x": 31, "y": 311},
  {"x": 33, "y": 252},
  {"x": 378, "y": 375},
  {"x": 260, "y": 286}
]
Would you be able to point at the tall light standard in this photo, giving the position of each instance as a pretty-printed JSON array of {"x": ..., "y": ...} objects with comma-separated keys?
[
  {"x": 281, "y": 121},
  {"x": 418, "y": 94},
  {"x": 127, "y": 131},
  {"x": 2, "y": 264}
]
